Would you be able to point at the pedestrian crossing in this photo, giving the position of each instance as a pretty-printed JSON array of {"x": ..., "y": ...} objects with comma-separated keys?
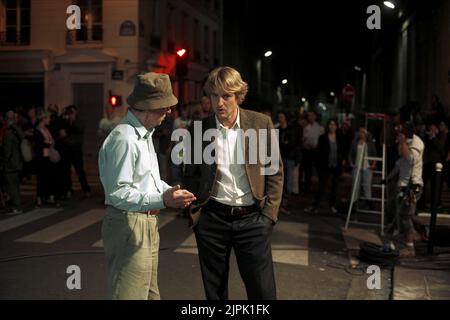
[
  {"x": 26, "y": 218},
  {"x": 289, "y": 242},
  {"x": 65, "y": 228}
]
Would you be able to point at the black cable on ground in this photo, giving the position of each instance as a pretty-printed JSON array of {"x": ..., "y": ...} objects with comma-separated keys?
[{"x": 68, "y": 253}]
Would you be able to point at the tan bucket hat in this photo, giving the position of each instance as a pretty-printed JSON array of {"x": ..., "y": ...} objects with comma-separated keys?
[{"x": 152, "y": 91}]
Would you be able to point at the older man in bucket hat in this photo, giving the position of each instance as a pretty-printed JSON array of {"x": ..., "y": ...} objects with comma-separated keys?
[{"x": 135, "y": 193}]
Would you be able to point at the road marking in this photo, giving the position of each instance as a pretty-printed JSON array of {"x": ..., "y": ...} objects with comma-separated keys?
[
  {"x": 189, "y": 245},
  {"x": 164, "y": 219},
  {"x": 289, "y": 244},
  {"x": 25, "y": 218},
  {"x": 65, "y": 228}
]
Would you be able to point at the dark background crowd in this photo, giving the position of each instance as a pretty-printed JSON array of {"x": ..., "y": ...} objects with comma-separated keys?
[
  {"x": 310, "y": 145},
  {"x": 45, "y": 142}
]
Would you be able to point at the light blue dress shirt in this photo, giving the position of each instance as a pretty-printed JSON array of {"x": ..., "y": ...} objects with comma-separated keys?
[{"x": 129, "y": 169}]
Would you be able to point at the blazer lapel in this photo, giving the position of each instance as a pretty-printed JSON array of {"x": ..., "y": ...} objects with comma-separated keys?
[{"x": 245, "y": 125}]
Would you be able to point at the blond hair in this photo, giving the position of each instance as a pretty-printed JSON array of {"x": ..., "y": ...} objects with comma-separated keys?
[{"x": 226, "y": 80}]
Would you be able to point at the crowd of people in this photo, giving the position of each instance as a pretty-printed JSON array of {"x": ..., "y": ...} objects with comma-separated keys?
[{"x": 45, "y": 142}]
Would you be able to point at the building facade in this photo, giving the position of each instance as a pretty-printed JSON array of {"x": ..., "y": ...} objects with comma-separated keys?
[
  {"x": 42, "y": 62},
  {"x": 411, "y": 57}
]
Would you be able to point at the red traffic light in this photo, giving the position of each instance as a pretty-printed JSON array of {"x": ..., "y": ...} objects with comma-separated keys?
[
  {"x": 181, "y": 53},
  {"x": 115, "y": 101}
]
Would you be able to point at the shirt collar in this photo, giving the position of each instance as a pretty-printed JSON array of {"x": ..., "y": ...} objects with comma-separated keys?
[
  {"x": 237, "y": 124},
  {"x": 140, "y": 129}
]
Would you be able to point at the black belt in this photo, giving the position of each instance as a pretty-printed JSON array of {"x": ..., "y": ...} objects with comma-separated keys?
[{"x": 230, "y": 210}]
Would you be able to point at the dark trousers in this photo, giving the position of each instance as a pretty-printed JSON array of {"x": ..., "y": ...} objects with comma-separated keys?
[
  {"x": 76, "y": 159},
  {"x": 45, "y": 178},
  {"x": 12, "y": 183},
  {"x": 65, "y": 173},
  {"x": 324, "y": 176},
  {"x": 250, "y": 237},
  {"x": 309, "y": 160},
  {"x": 429, "y": 182}
]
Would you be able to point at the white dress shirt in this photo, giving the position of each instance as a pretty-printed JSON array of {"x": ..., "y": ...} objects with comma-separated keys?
[{"x": 232, "y": 187}]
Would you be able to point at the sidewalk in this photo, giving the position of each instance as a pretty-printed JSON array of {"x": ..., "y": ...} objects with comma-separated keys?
[{"x": 425, "y": 277}]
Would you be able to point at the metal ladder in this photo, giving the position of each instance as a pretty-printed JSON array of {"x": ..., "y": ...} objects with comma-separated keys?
[{"x": 382, "y": 159}]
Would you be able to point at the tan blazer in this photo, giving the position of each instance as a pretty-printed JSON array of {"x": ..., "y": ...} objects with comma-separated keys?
[{"x": 267, "y": 190}]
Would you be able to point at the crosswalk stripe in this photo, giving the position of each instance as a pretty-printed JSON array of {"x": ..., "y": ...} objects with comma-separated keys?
[
  {"x": 189, "y": 245},
  {"x": 293, "y": 251},
  {"x": 164, "y": 219},
  {"x": 65, "y": 228},
  {"x": 290, "y": 243},
  {"x": 25, "y": 218}
]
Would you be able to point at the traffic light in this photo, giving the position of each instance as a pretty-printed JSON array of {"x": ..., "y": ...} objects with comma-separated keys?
[
  {"x": 115, "y": 101},
  {"x": 182, "y": 68}
]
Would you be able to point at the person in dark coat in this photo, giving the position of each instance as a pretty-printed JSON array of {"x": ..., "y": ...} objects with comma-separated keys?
[
  {"x": 13, "y": 163},
  {"x": 45, "y": 169},
  {"x": 71, "y": 135},
  {"x": 329, "y": 164}
]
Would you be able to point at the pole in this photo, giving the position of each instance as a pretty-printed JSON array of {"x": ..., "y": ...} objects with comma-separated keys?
[
  {"x": 434, "y": 207},
  {"x": 259, "y": 77},
  {"x": 181, "y": 91}
]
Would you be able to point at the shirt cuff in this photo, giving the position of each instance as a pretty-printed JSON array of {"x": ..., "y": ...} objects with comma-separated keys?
[{"x": 154, "y": 202}]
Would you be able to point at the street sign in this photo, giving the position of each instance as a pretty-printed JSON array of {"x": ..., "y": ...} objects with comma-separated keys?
[
  {"x": 117, "y": 75},
  {"x": 127, "y": 29},
  {"x": 348, "y": 92}
]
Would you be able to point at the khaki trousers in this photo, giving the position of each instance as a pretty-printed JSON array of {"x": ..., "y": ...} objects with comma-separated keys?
[{"x": 131, "y": 243}]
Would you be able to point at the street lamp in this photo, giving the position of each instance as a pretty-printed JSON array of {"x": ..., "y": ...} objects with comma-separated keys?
[
  {"x": 389, "y": 4},
  {"x": 268, "y": 54},
  {"x": 284, "y": 81},
  {"x": 332, "y": 94},
  {"x": 303, "y": 100},
  {"x": 357, "y": 68}
]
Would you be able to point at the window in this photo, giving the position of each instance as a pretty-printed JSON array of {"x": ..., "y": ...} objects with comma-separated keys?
[
  {"x": 91, "y": 21},
  {"x": 18, "y": 22}
]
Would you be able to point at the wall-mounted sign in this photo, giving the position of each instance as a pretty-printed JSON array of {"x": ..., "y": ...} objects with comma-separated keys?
[
  {"x": 127, "y": 29},
  {"x": 117, "y": 75}
]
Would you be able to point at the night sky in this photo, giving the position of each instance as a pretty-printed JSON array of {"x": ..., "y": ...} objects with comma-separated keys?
[{"x": 314, "y": 42}]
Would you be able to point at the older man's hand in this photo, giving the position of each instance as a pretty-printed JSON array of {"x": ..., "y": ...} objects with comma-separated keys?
[{"x": 176, "y": 197}]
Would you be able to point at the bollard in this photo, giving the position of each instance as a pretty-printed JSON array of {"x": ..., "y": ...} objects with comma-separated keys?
[{"x": 434, "y": 206}]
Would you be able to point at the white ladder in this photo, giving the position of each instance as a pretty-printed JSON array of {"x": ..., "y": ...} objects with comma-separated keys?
[{"x": 356, "y": 185}]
